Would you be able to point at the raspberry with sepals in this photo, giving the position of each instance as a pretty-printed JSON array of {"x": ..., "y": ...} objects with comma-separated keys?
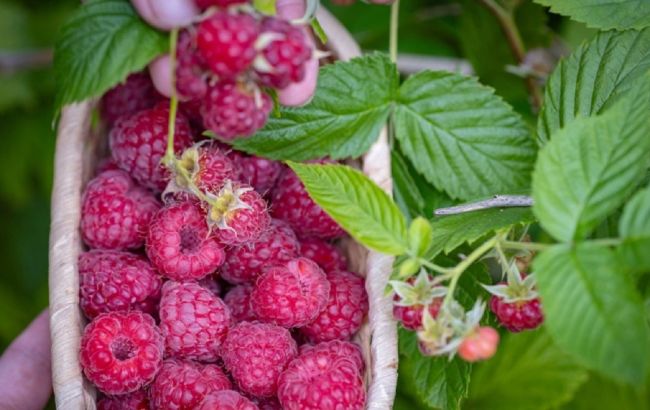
[
  {"x": 121, "y": 351},
  {"x": 111, "y": 281},
  {"x": 336, "y": 349},
  {"x": 178, "y": 243},
  {"x": 256, "y": 354},
  {"x": 260, "y": 173},
  {"x": 291, "y": 295},
  {"x": 479, "y": 345},
  {"x": 183, "y": 385},
  {"x": 133, "y": 401},
  {"x": 275, "y": 246},
  {"x": 115, "y": 212},
  {"x": 138, "y": 144},
  {"x": 238, "y": 300},
  {"x": 325, "y": 254},
  {"x": 135, "y": 94},
  {"x": 193, "y": 321},
  {"x": 206, "y": 166},
  {"x": 413, "y": 296},
  {"x": 227, "y": 400},
  {"x": 235, "y": 109},
  {"x": 343, "y": 315},
  {"x": 191, "y": 72}
]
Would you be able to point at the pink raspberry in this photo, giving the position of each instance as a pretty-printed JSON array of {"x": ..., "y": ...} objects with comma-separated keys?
[
  {"x": 179, "y": 245},
  {"x": 112, "y": 281},
  {"x": 135, "y": 94},
  {"x": 336, "y": 349},
  {"x": 321, "y": 381},
  {"x": 193, "y": 321},
  {"x": 227, "y": 42},
  {"x": 115, "y": 212},
  {"x": 292, "y": 295},
  {"x": 235, "y": 110},
  {"x": 204, "y": 4},
  {"x": 260, "y": 173},
  {"x": 214, "y": 168},
  {"x": 343, "y": 315},
  {"x": 479, "y": 345},
  {"x": 227, "y": 400},
  {"x": 285, "y": 57},
  {"x": 138, "y": 144},
  {"x": 121, "y": 351},
  {"x": 276, "y": 246},
  {"x": 411, "y": 316},
  {"x": 211, "y": 283},
  {"x": 182, "y": 385},
  {"x": 519, "y": 315},
  {"x": 256, "y": 354},
  {"x": 133, "y": 401},
  {"x": 292, "y": 203},
  {"x": 191, "y": 73},
  {"x": 238, "y": 300},
  {"x": 326, "y": 255}
]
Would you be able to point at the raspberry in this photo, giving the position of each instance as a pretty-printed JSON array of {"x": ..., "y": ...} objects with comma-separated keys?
[
  {"x": 211, "y": 283},
  {"x": 191, "y": 75},
  {"x": 336, "y": 349},
  {"x": 239, "y": 214},
  {"x": 138, "y": 144},
  {"x": 321, "y": 381},
  {"x": 346, "y": 307},
  {"x": 519, "y": 315},
  {"x": 182, "y": 385},
  {"x": 479, "y": 345},
  {"x": 411, "y": 316},
  {"x": 255, "y": 354},
  {"x": 115, "y": 212},
  {"x": 135, "y": 94},
  {"x": 111, "y": 281},
  {"x": 214, "y": 168},
  {"x": 106, "y": 164},
  {"x": 292, "y": 295},
  {"x": 412, "y": 297},
  {"x": 193, "y": 321},
  {"x": 121, "y": 351},
  {"x": 292, "y": 203},
  {"x": 233, "y": 110},
  {"x": 326, "y": 255},
  {"x": 276, "y": 246},
  {"x": 227, "y": 400},
  {"x": 204, "y": 4},
  {"x": 226, "y": 41},
  {"x": 179, "y": 245},
  {"x": 133, "y": 401},
  {"x": 285, "y": 57},
  {"x": 260, "y": 173},
  {"x": 238, "y": 300}
]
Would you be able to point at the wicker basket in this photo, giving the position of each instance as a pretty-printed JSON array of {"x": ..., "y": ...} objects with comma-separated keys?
[{"x": 77, "y": 152}]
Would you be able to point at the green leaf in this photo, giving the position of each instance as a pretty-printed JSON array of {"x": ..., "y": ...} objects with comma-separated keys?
[
  {"x": 420, "y": 236},
  {"x": 365, "y": 211},
  {"x": 604, "y": 14},
  {"x": 591, "y": 165},
  {"x": 528, "y": 373},
  {"x": 592, "y": 77},
  {"x": 100, "y": 45},
  {"x": 465, "y": 140},
  {"x": 592, "y": 311},
  {"x": 634, "y": 228},
  {"x": 350, "y": 107},
  {"x": 318, "y": 30},
  {"x": 266, "y": 7},
  {"x": 601, "y": 393}
]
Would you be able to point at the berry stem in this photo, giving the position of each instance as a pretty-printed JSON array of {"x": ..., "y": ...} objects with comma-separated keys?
[
  {"x": 394, "y": 25},
  {"x": 525, "y": 246},
  {"x": 170, "y": 156},
  {"x": 434, "y": 267}
]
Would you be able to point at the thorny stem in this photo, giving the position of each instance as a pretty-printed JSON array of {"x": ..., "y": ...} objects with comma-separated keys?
[{"x": 394, "y": 24}]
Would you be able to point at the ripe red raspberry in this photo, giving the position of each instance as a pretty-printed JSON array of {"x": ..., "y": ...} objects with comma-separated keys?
[
  {"x": 411, "y": 316},
  {"x": 182, "y": 385},
  {"x": 193, "y": 321},
  {"x": 326, "y": 255},
  {"x": 411, "y": 298},
  {"x": 121, "y": 351},
  {"x": 204, "y": 4},
  {"x": 517, "y": 316},
  {"x": 336, "y": 349},
  {"x": 211, "y": 283},
  {"x": 292, "y": 295},
  {"x": 227, "y": 42},
  {"x": 133, "y": 401},
  {"x": 138, "y": 144},
  {"x": 260, "y": 173},
  {"x": 292, "y": 203},
  {"x": 235, "y": 110},
  {"x": 227, "y": 400},
  {"x": 256, "y": 354},
  {"x": 321, "y": 381},
  {"x": 479, "y": 345},
  {"x": 238, "y": 300},
  {"x": 276, "y": 246},
  {"x": 283, "y": 60},
  {"x": 191, "y": 73},
  {"x": 135, "y": 94},
  {"x": 238, "y": 214},
  {"x": 179, "y": 245},
  {"x": 213, "y": 168},
  {"x": 115, "y": 212},
  {"x": 343, "y": 315},
  {"x": 111, "y": 281}
]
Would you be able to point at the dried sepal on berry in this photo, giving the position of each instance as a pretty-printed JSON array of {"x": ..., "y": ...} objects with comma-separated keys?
[
  {"x": 517, "y": 288},
  {"x": 226, "y": 202}
]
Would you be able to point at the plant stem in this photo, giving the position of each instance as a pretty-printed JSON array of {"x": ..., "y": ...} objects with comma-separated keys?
[
  {"x": 434, "y": 267},
  {"x": 525, "y": 246},
  {"x": 173, "y": 101},
  {"x": 394, "y": 25}
]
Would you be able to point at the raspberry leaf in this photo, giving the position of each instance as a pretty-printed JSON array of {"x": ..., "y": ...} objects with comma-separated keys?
[
  {"x": 593, "y": 77},
  {"x": 594, "y": 312},
  {"x": 100, "y": 45},
  {"x": 604, "y": 14},
  {"x": 634, "y": 228},
  {"x": 420, "y": 236},
  {"x": 356, "y": 203}
]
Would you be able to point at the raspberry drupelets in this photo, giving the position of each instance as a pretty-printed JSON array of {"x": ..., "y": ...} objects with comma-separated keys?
[
  {"x": 135, "y": 94},
  {"x": 334, "y": 350},
  {"x": 260, "y": 173},
  {"x": 115, "y": 212},
  {"x": 191, "y": 73},
  {"x": 227, "y": 400},
  {"x": 133, "y": 401},
  {"x": 117, "y": 281},
  {"x": 121, "y": 352},
  {"x": 213, "y": 168},
  {"x": 326, "y": 255},
  {"x": 517, "y": 316},
  {"x": 238, "y": 300}
]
